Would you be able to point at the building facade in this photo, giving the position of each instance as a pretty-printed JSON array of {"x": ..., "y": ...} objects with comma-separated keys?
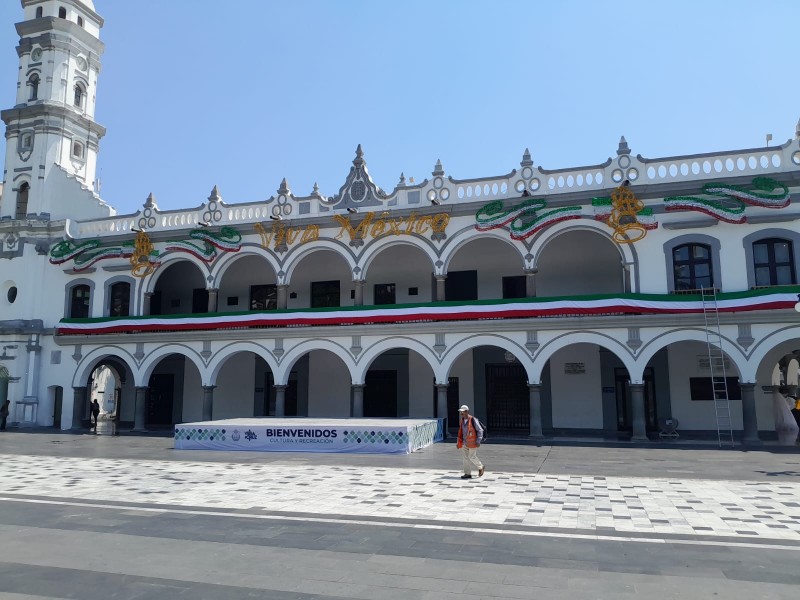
[{"x": 598, "y": 300}]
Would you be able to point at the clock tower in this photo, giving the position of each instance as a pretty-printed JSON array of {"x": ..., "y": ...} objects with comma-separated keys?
[{"x": 52, "y": 138}]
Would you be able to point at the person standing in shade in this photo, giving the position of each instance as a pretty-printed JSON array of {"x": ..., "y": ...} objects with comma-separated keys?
[
  {"x": 95, "y": 413},
  {"x": 4, "y": 410},
  {"x": 470, "y": 436}
]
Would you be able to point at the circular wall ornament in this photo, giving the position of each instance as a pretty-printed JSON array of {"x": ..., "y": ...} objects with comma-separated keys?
[
  {"x": 534, "y": 184},
  {"x": 444, "y": 194},
  {"x": 11, "y": 295},
  {"x": 633, "y": 174},
  {"x": 438, "y": 183},
  {"x": 36, "y": 55},
  {"x": 82, "y": 64},
  {"x": 624, "y": 161},
  {"x": 527, "y": 173},
  {"x": 520, "y": 186},
  {"x": 616, "y": 175},
  {"x": 796, "y": 158},
  {"x": 431, "y": 195}
]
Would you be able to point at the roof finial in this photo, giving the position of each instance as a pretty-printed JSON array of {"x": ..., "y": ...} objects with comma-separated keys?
[
  {"x": 623, "y": 147},
  {"x": 438, "y": 169},
  {"x": 151, "y": 201},
  {"x": 527, "y": 161},
  {"x": 797, "y": 129},
  {"x": 315, "y": 191},
  {"x": 284, "y": 188},
  {"x": 214, "y": 197},
  {"x": 359, "y": 159},
  {"x": 402, "y": 181}
]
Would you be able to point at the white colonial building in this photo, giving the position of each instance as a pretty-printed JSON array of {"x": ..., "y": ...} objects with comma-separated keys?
[{"x": 562, "y": 301}]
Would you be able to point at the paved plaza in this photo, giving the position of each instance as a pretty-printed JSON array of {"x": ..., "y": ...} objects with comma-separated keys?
[{"x": 545, "y": 521}]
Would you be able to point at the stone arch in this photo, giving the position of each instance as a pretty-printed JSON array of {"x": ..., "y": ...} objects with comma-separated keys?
[
  {"x": 607, "y": 341},
  {"x": 142, "y": 378},
  {"x": 296, "y": 256},
  {"x": 282, "y": 370},
  {"x": 451, "y": 355},
  {"x": 376, "y": 247},
  {"x": 224, "y": 262},
  {"x": 649, "y": 349},
  {"x": 167, "y": 260},
  {"x": 769, "y": 348},
  {"x": 80, "y": 378},
  {"x": 366, "y": 358},
  {"x": 627, "y": 252},
  {"x": 221, "y": 357},
  {"x": 467, "y": 235}
]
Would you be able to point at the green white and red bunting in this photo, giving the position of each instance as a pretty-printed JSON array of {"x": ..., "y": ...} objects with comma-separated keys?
[{"x": 436, "y": 312}]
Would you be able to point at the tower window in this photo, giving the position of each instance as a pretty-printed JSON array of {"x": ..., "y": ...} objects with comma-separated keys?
[
  {"x": 80, "y": 21},
  {"x": 79, "y": 92},
  {"x": 62, "y": 13},
  {"x": 77, "y": 150},
  {"x": 27, "y": 141},
  {"x": 22, "y": 200},
  {"x": 33, "y": 83},
  {"x": 39, "y": 12}
]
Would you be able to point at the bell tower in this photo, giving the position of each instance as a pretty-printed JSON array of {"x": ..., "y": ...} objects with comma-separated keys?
[{"x": 52, "y": 138}]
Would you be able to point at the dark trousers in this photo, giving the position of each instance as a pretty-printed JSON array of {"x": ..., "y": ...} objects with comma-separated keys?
[{"x": 3, "y": 424}]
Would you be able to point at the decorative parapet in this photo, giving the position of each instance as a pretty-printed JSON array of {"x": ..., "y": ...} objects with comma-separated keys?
[{"x": 360, "y": 192}]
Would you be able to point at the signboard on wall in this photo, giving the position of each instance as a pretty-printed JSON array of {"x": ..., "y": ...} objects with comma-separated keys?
[{"x": 574, "y": 368}]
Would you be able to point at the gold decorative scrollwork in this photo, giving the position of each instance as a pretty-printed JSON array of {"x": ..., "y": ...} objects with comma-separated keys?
[
  {"x": 141, "y": 265},
  {"x": 625, "y": 207}
]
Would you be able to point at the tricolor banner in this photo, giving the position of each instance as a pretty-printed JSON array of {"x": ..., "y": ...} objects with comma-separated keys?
[{"x": 522, "y": 308}]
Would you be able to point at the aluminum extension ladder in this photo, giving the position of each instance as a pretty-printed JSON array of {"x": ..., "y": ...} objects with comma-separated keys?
[{"x": 716, "y": 364}]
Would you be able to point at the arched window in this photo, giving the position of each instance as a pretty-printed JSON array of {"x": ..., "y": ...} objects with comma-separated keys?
[
  {"x": 62, "y": 13},
  {"x": 79, "y": 92},
  {"x": 773, "y": 262},
  {"x": 79, "y": 302},
  {"x": 33, "y": 83},
  {"x": 691, "y": 265},
  {"x": 39, "y": 12},
  {"x": 119, "y": 299},
  {"x": 22, "y": 200},
  {"x": 80, "y": 21},
  {"x": 77, "y": 150}
]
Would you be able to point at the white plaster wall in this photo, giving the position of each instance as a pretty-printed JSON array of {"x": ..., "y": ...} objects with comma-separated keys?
[
  {"x": 493, "y": 259},
  {"x": 233, "y": 396},
  {"x": 577, "y": 399},
  {"x": 404, "y": 266},
  {"x": 192, "y": 400},
  {"x": 462, "y": 368},
  {"x": 683, "y": 364},
  {"x": 420, "y": 386},
  {"x": 245, "y": 272},
  {"x": 328, "y": 386},
  {"x": 320, "y": 266}
]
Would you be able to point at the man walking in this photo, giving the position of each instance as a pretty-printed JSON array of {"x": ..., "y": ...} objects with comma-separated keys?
[{"x": 470, "y": 436}]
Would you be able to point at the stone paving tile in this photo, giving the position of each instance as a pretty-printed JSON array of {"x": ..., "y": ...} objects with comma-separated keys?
[{"x": 625, "y": 505}]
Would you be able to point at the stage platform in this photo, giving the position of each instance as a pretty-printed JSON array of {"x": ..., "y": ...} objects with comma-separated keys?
[{"x": 307, "y": 434}]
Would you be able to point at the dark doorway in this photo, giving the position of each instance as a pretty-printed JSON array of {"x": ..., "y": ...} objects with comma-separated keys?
[
  {"x": 461, "y": 286},
  {"x": 507, "y": 398},
  {"x": 199, "y": 300},
  {"x": 160, "y": 399},
  {"x": 290, "y": 396},
  {"x": 58, "y": 400},
  {"x": 622, "y": 386},
  {"x": 380, "y": 393}
]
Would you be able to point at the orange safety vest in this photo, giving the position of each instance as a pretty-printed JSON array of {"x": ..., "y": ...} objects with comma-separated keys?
[{"x": 472, "y": 434}]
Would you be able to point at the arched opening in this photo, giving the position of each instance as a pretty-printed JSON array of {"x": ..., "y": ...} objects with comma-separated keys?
[
  {"x": 80, "y": 302},
  {"x": 39, "y": 12},
  {"x": 80, "y": 21},
  {"x": 79, "y": 93},
  {"x": 62, "y": 13},
  {"x": 318, "y": 385},
  {"x": 579, "y": 262},
  {"x": 773, "y": 262},
  {"x": 180, "y": 289},
  {"x": 321, "y": 279},
  {"x": 777, "y": 394},
  {"x": 56, "y": 399},
  {"x": 400, "y": 383},
  {"x": 22, "y": 200},
  {"x": 174, "y": 393},
  {"x": 494, "y": 384},
  {"x": 398, "y": 274},
  {"x": 244, "y": 388},
  {"x": 248, "y": 284},
  {"x": 119, "y": 300},
  {"x": 692, "y": 267},
  {"x": 485, "y": 269},
  {"x": 33, "y": 84},
  {"x": 105, "y": 388}
]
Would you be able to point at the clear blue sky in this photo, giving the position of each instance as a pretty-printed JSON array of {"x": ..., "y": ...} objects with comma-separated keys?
[{"x": 242, "y": 93}]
